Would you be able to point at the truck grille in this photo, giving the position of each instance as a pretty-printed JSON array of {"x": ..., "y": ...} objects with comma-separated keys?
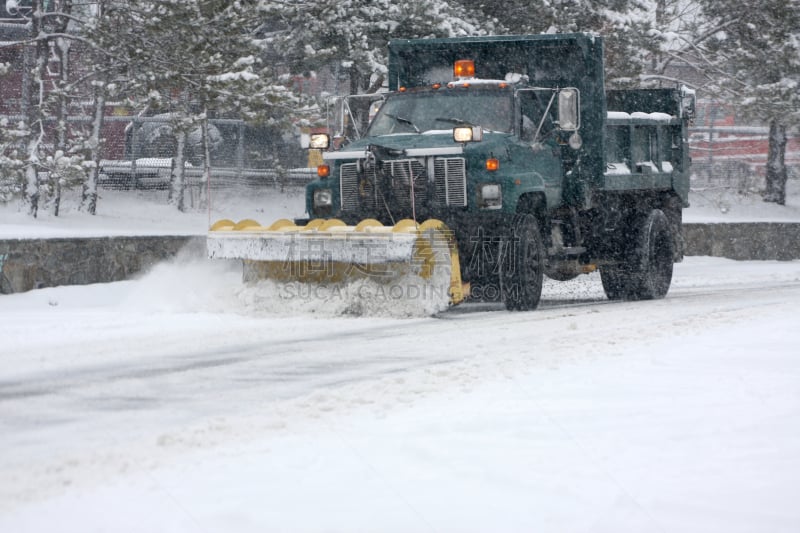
[
  {"x": 449, "y": 184},
  {"x": 402, "y": 172},
  {"x": 450, "y": 179},
  {"x": 357, "y": 195}
]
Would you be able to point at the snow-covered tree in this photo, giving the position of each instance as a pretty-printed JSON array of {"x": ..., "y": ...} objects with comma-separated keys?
[
  {"x": 62, "y": 164},
  {"x": 104, "y": 67},
  {"x": 354, "y": 34},
  {"x": 677, "y": 27},
  {"x": 624, "y": 24},
  {"x": 34, "y": 105},
  {"x": 12, "y": 166},
  {"x": 191, "y": 58},
  {"x": 47, "y": 95},
  {"x": 752, "y": 52}
]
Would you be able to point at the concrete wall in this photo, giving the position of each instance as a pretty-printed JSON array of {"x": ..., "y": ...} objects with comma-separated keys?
[
  {"x": 743, "y": 241},
  {"x": 33, "y": 263}
]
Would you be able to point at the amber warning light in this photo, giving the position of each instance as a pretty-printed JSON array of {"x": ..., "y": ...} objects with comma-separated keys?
[{"x": 464, "y": 68}]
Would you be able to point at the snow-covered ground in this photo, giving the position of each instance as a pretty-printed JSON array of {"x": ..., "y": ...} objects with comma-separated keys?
[
  {"x": 147, "y": 212},
  {"x": 182, "y": 401},
  {"x": 171, "y": 403}
]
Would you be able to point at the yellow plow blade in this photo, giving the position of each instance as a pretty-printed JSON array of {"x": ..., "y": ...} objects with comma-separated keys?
[{"x": 329, "y": 251}]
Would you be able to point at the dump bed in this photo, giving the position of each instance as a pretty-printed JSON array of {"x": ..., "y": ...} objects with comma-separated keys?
[{"x": 646, "y": 141}]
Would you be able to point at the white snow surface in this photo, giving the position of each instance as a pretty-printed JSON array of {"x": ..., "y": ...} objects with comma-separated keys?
[
  {"x": 147, "y": 212},
  {"x": 176, "y": 403},
  {"x": 183, "y": 401}
]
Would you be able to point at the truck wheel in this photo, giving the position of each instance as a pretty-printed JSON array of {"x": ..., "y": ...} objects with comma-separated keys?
[
  {"x": 523, "y": 266},
  {"x": 646, "y": 273},
  {"x": 616, "y": 282}
]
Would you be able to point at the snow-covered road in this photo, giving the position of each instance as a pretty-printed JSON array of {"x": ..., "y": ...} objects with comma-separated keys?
[{"x": 179, "y": 402}]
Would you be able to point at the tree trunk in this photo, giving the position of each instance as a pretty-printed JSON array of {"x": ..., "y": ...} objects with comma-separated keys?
[
  {"x": 355, "y": 80},
  {"x": 35, "y": 109},
  {"x": 62, "y": 52},
  {"x": 205, "y": 188},
  {"x": 178, "y": 177},
  {"x": 89, "y": 191},
  {"x": 776, "y": 164}
]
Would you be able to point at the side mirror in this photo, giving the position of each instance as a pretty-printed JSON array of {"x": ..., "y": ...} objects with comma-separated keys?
[
  {"x": 688, "y": 103},
  {"x": 569, "y": 114}
]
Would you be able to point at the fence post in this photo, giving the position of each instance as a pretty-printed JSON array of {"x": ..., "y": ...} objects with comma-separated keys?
[
  {"x": 134, "y": 152},
  {"x": 712, "y": 116},
  {"x": 240, "y": 153}
]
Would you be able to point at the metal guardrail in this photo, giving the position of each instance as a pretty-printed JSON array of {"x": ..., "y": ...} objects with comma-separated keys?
[{"x": 156, "y": 174}]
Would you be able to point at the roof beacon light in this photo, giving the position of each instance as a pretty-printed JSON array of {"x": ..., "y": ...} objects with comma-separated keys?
[{"x": 464, "y": 68}]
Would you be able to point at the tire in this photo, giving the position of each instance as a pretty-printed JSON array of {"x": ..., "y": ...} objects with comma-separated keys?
[
  {"x": 646, "y": 272},
  {"x": 523, "y": 265},
  {"x": 616, "y": 282}
]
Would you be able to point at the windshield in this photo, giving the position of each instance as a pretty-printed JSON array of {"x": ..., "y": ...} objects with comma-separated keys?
[{"x": 441, "y": 110}]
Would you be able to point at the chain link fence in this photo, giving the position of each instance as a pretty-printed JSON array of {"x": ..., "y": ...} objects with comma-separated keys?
[
  {"x": 729, "y": 152},
  {"x": 729, "y": 157},
  {"x": 139, "y": 153}
]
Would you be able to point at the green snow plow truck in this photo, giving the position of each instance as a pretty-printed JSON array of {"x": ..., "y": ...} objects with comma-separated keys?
[{"x": 501, "y": 159}]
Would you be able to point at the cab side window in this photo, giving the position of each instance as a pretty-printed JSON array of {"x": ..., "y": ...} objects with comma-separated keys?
[
  {"x": 532, "y": 106},
  {"x": 618, "y": 144}
]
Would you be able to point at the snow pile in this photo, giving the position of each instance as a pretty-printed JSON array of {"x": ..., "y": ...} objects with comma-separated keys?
[
  {"x": 405, "y": 297},
  {"x": 187, "y": 284}
]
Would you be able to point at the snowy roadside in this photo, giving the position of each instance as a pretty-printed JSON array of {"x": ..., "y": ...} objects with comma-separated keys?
[{"x": 146, "y": 212}]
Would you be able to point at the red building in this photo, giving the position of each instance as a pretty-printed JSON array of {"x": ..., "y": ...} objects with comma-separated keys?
[
  {"x": 726, "y": 147},
  {"x": 12, "y": 31}
]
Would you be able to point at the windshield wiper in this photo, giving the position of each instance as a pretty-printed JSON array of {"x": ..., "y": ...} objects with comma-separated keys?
[
  {"x": 403, "y": 120},
  {"x": 452, "y": 120}
]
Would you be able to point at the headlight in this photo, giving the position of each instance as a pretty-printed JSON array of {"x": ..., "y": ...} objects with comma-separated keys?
[
  {"x": 323, "y": 198},
  {"x": 320, "y": 141},
  {"x": 490, "y": 196},
  {"x": 465, "y": 134}
]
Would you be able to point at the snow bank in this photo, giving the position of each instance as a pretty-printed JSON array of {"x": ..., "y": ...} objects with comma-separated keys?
[
  {"x": 406, "y": 297},
  {"x": 719, "y": 205}
]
